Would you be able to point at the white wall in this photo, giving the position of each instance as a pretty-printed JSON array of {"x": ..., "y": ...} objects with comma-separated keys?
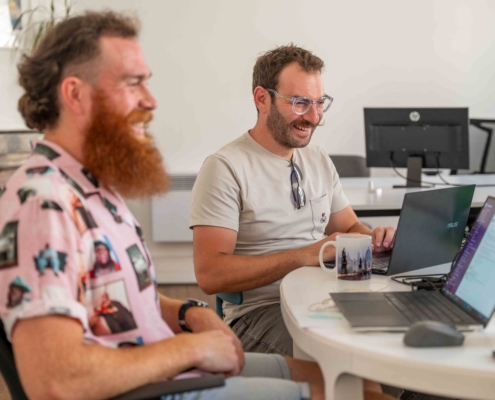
[
  {"x": 378, "y": 53},
  {"x": 9, "y": 92}
]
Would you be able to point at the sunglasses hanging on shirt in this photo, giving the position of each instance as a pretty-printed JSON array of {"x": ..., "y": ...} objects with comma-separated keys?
[{"x": 296, "y": 178}]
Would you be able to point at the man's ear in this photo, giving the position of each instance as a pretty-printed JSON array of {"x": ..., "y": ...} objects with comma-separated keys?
[
  {"x": 75, "y": 95},
  {"x": 262, "y": 99}
]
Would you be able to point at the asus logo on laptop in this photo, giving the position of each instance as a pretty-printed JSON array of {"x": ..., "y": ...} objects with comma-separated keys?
[{"x": 452, "y": 225}]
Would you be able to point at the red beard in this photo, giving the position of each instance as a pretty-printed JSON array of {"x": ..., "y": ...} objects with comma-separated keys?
[{"x": 118, "y": 159}]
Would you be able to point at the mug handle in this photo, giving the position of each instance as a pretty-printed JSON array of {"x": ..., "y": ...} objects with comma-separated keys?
[{"x": 320, "y": 257}]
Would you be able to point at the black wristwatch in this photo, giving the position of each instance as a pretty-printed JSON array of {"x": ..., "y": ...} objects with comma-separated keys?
[{"x": 184, "y": 307}]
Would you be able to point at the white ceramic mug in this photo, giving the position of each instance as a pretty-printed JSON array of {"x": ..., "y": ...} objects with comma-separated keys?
[{"x": 352, "y": 258}]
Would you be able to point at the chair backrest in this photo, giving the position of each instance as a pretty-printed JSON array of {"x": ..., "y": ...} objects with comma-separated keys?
[
  {"x": 350, "y": 166},
  {"x": 8, "y": 368},
  {"x": 234, "y": 297}
]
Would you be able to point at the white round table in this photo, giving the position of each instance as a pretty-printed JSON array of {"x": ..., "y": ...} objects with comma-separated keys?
[{"x": 345, "y": 356}]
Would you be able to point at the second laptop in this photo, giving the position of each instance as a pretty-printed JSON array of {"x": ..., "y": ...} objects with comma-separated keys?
[{"x": 430, "y": 230}]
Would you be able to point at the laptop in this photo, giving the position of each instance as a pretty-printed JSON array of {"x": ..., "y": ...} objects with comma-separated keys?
[
  {"x": 467, "y": 300},
  {"x": 430, "y": 230}
]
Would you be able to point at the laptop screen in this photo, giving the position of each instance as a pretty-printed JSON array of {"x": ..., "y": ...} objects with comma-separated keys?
[{"x": 472, "y": 281}]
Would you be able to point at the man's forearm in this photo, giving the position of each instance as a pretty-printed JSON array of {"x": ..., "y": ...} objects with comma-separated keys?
[
  {"x": 360, "y": 228},
  {"x": 236, "y": 273},
  {"x": 170, "y": 313},
  {"x": 78, "y": 370}
]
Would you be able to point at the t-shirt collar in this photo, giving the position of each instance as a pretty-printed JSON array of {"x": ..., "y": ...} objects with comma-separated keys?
[
  {"x": 265, "y": 151},
  {"x": 75, "y": 172}
]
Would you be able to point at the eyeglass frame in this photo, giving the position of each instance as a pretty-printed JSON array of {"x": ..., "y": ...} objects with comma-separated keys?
[
  {"x": 296, "y": 99},
  {"x": 297, "y": 192}
]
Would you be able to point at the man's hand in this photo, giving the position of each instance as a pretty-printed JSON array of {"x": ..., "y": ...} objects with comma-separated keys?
[
  {"x": 217, "y": 352},
  {"x": 200, "y": 319},
  {"x": 383, "y": 239},
  {"x": 312, "y": 252}
]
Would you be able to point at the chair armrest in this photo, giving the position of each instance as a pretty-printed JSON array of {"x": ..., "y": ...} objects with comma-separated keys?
[
  {"x": 233, "y": 297},
  {"x": 156, "y": 390}
]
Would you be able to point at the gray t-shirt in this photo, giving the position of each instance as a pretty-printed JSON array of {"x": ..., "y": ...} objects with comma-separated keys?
[{"x": 246, "y": 188}]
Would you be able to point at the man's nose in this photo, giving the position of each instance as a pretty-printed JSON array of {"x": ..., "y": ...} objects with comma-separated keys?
[
  {"x": 312, "y": 115},
  {"x": 148, "y": 102}
]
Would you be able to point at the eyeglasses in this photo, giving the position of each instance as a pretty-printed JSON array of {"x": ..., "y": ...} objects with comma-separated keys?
[
  {"x": 301, "y": 105},
  {"x": 297, "y": 191}
]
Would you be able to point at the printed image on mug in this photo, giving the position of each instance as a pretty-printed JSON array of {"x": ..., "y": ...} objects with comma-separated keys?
[
  {"x": 352, "y": 257},
  {"x": 353, "y": 265}
]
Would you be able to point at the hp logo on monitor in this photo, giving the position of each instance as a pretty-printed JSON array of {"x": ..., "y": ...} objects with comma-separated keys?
[{"x": 414, "y": 116}]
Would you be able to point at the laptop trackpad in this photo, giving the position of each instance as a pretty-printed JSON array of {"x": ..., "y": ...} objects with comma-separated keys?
[{"x": 372, "y": 313}]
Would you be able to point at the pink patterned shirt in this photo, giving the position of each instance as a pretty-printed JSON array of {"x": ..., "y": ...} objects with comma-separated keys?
[{"x": 69, "y": 247}]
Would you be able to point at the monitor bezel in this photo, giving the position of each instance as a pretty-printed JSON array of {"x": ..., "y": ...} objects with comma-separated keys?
[{"x": 382, "y": 159}]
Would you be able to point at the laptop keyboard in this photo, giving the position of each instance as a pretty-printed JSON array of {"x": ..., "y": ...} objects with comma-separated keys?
[
  {"x": 421, "y": 306},
  {"x": 380, "y": 264}
]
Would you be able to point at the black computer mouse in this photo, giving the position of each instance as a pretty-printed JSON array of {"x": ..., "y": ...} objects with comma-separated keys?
[{"x": 432, "y": 334}]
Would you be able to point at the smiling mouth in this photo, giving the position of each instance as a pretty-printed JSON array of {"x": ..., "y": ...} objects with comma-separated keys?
[
  {"x": 305, "y": 129},
  {"x": 139, "y": 128}
]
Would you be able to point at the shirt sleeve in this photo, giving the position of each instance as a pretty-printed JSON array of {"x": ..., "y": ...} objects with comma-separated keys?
[
  {"x": 339, "y": 199},
  {"x": 216, "y": 197},
  {"x": 45, "y": 275}
]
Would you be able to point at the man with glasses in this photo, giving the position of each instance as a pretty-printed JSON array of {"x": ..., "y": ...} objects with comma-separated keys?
[{"x": 264, "y": 204}]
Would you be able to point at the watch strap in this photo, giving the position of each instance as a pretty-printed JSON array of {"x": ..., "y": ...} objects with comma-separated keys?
[{"x": 186, "y": 306}]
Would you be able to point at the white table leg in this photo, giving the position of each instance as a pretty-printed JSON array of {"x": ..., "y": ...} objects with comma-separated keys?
[
  {"x": 337, "y": 387},
  {"x": 300, "y": 354},
  {"x": 347, "y": 387}
]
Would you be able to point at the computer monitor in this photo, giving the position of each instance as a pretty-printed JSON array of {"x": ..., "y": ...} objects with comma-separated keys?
[{"x": 417, "y": 138}]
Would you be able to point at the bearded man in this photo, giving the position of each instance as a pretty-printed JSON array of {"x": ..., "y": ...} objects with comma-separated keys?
[
  {"x": 86, "y": 88},
  {"x": 264, "y": 204},
  {"x": 104, "y": 263}
]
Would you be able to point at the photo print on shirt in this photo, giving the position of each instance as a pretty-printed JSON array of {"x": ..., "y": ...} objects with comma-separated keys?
[
  {"x": 131, "y": 343},
  {"x": 17, "y": 289},
  {"x": 46, "y": 151},
  {"x": 90, "y": 177},
  {"x": 118, "y": 218},
  {"x": 72, "y": 182},
  {"x": 49, "y": 258},
  {"x": 50, "y": 205},
  {"x": 106, "y": 260},
  {"x": 140, "y": 266},
  {"x": 113, "y": 210},
  {"x": 82, "y": 278},
  {"x": 78, "y": 209},
  {"x": 109, "y": 309},
  {"x": 35, "y": 187},
  {"x": 43, "y": 170},
  {"x": 8, "y": 245}
]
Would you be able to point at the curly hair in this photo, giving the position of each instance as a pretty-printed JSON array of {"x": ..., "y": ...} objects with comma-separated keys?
[
  {"x": 67, "y": 49},
  {"x": 270, "y": 64}
]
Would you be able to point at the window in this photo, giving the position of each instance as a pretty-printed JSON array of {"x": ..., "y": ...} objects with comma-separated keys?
[{"x": 10, "y": 11}]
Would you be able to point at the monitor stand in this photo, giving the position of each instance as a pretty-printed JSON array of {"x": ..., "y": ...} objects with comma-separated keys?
[{"x": 414, "y": 164}]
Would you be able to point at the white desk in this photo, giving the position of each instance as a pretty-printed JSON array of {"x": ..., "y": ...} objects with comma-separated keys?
[
  {"x": 386, "y": 201},
  {"x": 345, "y": 356}
]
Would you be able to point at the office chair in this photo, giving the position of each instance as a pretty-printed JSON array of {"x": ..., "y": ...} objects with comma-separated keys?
[
  {"x": 350, "y": 166},
  {"x": 234, "y": 297},
  {"x": 151, "y": 391}
]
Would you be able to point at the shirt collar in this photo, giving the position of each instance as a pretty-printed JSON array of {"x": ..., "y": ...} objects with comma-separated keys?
[{"x": 72, "y": 170}]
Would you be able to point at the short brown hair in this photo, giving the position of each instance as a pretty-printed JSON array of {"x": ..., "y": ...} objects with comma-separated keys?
[
  {"x": 66, "y": 49},
  {"x": 270, "y": 64}
]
